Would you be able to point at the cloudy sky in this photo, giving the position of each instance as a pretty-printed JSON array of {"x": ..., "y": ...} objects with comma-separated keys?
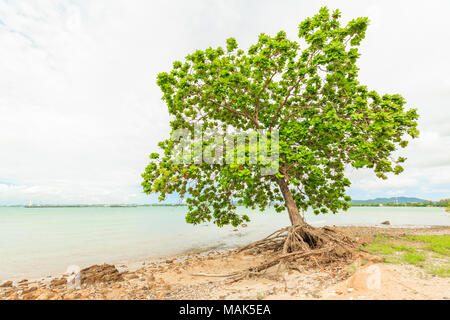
[{"x": 80, "y": 110}]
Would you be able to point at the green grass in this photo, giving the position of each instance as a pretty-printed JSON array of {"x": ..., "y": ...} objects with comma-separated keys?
[
  {"x": 414, "y": 258},
  {"x": 393, "y": 259},
  {"x": 352, "y": 268},
  {"x": 438, "y": 244},
  {"x": 440, "y": 271},
  {"x": 380, "y": 248},
  {"x": 381, "y": 245},
  {"x": 430, "y": 252},
  {"x": 403, "y": 247}
]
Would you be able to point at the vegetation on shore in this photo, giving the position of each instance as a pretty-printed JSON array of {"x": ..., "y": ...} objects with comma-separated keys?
[
  {"x": 427, "y": 203},
  {"x": 81, "y": 206},
  {"x": 441, "y": 203},
  {"x": 430, "y": 252}
]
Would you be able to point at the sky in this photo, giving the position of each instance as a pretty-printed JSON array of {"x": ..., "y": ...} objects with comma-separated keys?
[{"x": 80, "y": 110}]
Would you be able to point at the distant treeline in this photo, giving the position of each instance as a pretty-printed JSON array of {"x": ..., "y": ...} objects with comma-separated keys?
[
  {"x": 357, "y": 203},
  {"x": 163, "y": 205},
  {"x": 441, "y": 203},
  {"x": 79, "y": 206}
]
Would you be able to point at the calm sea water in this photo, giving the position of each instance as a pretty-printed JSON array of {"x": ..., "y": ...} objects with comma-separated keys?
[{"x": 37, "y": 242}]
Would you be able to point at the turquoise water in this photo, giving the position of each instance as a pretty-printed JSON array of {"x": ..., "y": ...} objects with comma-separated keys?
[{"x": 37, "y": 242}]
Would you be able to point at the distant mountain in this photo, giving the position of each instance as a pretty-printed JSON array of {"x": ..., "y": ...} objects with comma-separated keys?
[{"x": 388, "y": 200}]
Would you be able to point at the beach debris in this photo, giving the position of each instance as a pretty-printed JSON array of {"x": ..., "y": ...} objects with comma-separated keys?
[
  {"x": 6, "y": 284},
  {"x": 58, "y": 282},
  {"x": 387, "y": 222},
  {"x": 28, "y": 290},
  {"x": 132, "y": 276},
  {"x": 46, "y": 296},
  {"x": 225, "y": 275}
]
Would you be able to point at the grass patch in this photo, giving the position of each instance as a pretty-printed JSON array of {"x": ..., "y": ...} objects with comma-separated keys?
[
  {"x": 414, "y": 258},
  {"x": 440, "y": 271},
  {"x": 430, "y": 252},
  {"x": 438, "y": 244},
  {"x": 403, "y": 248},
  {"x": 382, "y": 244},
  {"x": 352, "y": 268},
  {"x": 393, "y": 259},
  {"x": 379, "y": 245},
  {"x": 380, "y": 248}
]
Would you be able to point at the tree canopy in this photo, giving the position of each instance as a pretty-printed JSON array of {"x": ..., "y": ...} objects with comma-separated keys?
[{"x": 306, "y": 90}]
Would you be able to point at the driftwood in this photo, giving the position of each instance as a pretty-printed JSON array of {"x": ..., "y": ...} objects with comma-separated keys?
[{"x": 225, "y": 275}]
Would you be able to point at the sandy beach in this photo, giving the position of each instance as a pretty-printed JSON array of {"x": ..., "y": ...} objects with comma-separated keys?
[{"x": 199, "y": 276}]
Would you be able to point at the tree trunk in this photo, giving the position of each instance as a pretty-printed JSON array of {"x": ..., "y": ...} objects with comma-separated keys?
[{"x": 294, "y": 214}]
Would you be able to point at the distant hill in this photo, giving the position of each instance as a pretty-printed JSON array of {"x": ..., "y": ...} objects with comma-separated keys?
[{"x": 388, "y": 200}]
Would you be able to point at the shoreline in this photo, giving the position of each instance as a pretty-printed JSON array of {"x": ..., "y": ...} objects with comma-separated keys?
[
  {"x": 170, "y": 276},
  {"x": 123, "y": 265},
  {"x": 45, "y": 243}
]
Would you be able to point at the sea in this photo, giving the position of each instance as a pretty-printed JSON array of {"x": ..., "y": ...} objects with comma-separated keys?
[{"x": 38, "y": 242}]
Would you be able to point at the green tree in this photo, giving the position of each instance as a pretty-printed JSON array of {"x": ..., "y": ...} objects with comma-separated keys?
[
  {"x": 443, "y": 203},
  {"x": 309, "y": 91}
]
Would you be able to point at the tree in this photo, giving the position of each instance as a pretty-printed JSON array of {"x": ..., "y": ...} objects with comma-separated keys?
[
  {"x": 309, "y": 92},
  {"x": 443, "y": 203}
]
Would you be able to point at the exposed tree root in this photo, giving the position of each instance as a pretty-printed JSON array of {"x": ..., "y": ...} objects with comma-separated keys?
[
  {"x": 303, "y": 238},
  {"x": 294, "y": 245}
]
